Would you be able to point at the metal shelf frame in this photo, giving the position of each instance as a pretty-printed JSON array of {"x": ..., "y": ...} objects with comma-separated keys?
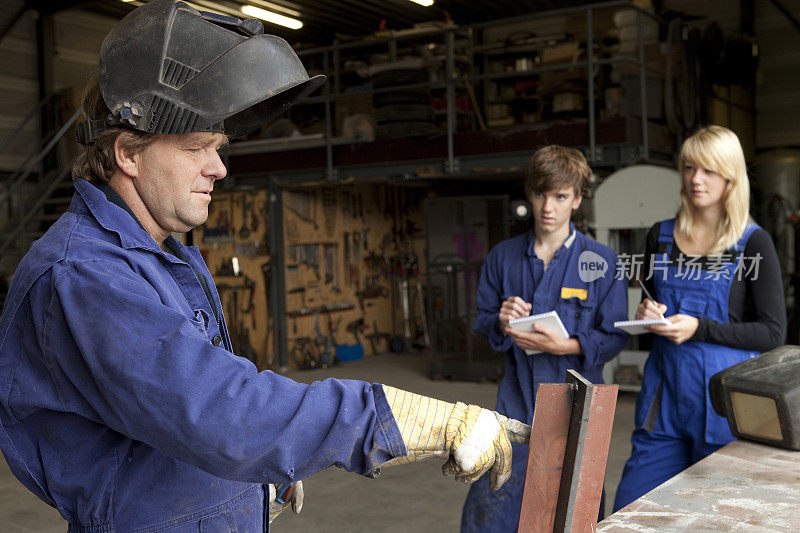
[{"x": 330, "y": 58}]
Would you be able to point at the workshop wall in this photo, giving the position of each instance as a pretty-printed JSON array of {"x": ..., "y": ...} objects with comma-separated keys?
[
  {"x": 237, "y": 228},
  {"x": 345, "y": 250}
]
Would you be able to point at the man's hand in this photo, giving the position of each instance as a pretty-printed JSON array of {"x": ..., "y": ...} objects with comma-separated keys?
[
  {"x": 483, "y": 442},
  {"x": 514, "y": 307},
  {"x": 681, "y": 329},
  {"x": 475, "y": 440},
  {"x": 283, "y": 495},
  {"x": 544, "y": 339}
]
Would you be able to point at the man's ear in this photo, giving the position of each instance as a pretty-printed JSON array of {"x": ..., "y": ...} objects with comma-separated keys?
[
  {"x": 126, "y": 160},
  {"x": 576, "y": 203}
]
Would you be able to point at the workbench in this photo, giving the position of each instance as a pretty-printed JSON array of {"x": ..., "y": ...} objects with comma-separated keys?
[{"x": 743, "y": 486}]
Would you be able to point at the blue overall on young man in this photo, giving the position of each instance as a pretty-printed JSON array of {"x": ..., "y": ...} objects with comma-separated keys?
[
  {"x": 675, "y": 423},
  {"x": 581, "y": 283}
]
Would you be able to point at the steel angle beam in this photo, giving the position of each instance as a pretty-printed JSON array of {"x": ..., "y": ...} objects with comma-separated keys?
[{"x": 571, "y": 434}]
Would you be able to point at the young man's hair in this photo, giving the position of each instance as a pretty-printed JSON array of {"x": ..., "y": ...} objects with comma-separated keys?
[
  {"x": 717, "y": 149},
  {"x": 556, "y": 167},
  {"x": 97, "y": 162}
]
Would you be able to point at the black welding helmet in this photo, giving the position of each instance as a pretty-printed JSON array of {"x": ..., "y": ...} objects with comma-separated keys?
[{"x": 168, "y": 68}]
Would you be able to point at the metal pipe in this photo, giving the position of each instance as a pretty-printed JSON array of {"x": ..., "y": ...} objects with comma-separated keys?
[
  {"x": 451, "y": 97},
  {"x": 590, "y": 82},
  {"x": 329, "y": 176},
  {"x": 277, "y": 291},
  {"x": 642, "y": 87}
]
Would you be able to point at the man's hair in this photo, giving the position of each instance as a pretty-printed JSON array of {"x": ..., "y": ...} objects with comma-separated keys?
[
  {"x": 97, "y": 162},
  {"x": 556, "y": 167}
]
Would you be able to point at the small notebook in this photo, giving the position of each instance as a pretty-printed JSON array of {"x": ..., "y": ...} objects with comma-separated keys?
[
  {"x": 636, "y": 327},
  {"x": 549, "y": 319}
]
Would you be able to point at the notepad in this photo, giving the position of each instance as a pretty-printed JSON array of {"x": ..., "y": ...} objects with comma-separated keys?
[
  {"x": 637, "y": 327},
  {"x": 550, "y": 320}
]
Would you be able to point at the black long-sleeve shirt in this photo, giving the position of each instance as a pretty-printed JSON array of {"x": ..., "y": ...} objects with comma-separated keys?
[{"x": 756, "y": 307}]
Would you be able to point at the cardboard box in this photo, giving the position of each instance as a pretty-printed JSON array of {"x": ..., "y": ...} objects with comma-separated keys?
[{"x": 351, "y": 104}]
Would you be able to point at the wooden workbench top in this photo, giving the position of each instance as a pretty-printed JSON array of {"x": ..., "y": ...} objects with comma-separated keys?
[{"x": 743, "y": 486}]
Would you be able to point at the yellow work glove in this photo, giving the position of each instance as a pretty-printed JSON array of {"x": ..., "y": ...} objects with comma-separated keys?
[{"x": 472, "y": 438}]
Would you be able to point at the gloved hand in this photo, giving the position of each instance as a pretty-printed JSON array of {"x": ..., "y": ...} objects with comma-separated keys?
[
  {"x": 282, "y": 495},
  {"x": 472, "y": 438}
]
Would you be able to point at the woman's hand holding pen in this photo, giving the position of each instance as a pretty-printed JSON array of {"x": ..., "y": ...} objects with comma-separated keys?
[
  {"x": 649, "y": 309},
  {"x": 513, "y": 307},
  {"x": 681, "y": 329}
]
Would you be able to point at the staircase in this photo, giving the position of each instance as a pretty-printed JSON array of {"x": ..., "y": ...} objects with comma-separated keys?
[{"x": 34, "y": 196}]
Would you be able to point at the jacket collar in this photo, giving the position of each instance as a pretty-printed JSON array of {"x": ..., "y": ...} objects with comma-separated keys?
[
  {"x": 573, "y": 234},
  {"x": 113, "y": 214}
]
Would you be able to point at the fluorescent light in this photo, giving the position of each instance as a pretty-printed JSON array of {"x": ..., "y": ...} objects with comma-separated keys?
[
  {"x": 269, "y": 6},
  {"x": 269, "y": 16},
  {"x": 426, "y": 3}
]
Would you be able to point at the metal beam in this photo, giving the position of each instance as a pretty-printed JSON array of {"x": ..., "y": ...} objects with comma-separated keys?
[
  {"x": 12, "y": 21},
  {"x": 789, "y": 15}
]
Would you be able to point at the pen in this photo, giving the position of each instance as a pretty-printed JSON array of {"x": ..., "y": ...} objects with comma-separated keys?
[{"x": 647, "y": 294}]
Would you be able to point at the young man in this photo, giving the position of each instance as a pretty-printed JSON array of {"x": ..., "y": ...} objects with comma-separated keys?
[
  {"x": 122, "y": 403},
  {"x": 552, "y": 267}
]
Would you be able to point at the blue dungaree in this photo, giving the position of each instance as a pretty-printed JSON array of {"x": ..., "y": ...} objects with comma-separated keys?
[{"x": 675, "y": 423}]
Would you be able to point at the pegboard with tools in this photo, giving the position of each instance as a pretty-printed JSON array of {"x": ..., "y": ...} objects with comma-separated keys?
[
  {"x": 344, "y": 247},
  {"x": 234, "y": 242}
]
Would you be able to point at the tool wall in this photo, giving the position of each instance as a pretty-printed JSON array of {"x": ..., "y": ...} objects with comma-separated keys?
[
  {"x": 234, "y": 242},
  {"x": 351, "y": 272}
]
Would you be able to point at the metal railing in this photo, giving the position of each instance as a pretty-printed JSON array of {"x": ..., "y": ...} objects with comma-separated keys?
[
  {"x": 331, "y": 59},
  {"x": 19, "y": 217}
]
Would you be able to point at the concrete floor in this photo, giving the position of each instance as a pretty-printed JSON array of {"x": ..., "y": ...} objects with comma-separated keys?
[{"x": 405, "y": 498}]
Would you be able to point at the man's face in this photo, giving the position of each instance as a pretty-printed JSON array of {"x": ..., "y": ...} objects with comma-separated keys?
[
  {"x": 553, "y": 209},
  {"x": 176, "y": 175}
]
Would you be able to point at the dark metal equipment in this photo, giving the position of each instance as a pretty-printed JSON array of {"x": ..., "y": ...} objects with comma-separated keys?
[
  {"x": 461, "y": 231},
  {"x": 760, "y": 397}
]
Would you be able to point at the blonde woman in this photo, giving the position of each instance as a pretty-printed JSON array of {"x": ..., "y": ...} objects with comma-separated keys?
[{"x": 716, "y": 278}]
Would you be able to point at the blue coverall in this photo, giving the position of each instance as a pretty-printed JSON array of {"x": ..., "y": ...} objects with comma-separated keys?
[
  {"x": 676, "y": 425},
  {"x": 588, "y": 310},
  {"x": 122, "y": 406}
]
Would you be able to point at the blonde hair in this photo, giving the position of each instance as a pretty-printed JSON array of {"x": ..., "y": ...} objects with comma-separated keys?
[{"x": 717, "y": 149}]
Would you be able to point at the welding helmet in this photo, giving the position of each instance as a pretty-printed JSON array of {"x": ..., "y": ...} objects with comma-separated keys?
[{"x": 169, "y": 68}]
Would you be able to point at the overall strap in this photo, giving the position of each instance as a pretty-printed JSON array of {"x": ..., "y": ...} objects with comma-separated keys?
[
  {"x": 742, "y": 242},
  {"x": 665, "y": 237}
]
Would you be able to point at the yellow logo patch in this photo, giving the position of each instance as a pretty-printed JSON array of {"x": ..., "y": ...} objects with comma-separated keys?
[{"x": 566, "y": 292}]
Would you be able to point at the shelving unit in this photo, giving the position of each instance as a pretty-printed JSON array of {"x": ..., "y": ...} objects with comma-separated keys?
[{"x": 456, "y": 61}]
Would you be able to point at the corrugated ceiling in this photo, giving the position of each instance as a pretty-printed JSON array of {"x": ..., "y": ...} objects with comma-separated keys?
[{"x": 324, "y": 20}]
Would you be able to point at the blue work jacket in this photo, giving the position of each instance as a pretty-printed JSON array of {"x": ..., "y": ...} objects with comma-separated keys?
[
  {"x": 122, "y": 405},
  {"x": 588, "y": 308}
]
